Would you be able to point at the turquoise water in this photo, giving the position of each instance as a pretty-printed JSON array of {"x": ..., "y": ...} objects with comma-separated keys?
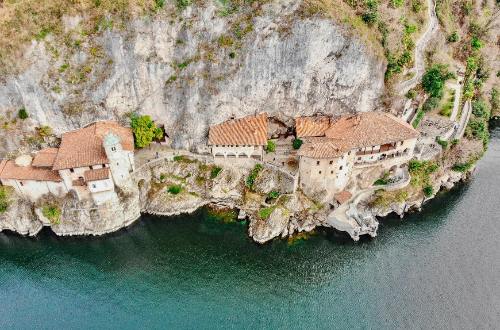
[{"x": 436, "y": 269}]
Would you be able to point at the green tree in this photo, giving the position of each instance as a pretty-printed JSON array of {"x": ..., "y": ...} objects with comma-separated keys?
[
  {"x": 434, "y": 78},
  {"x": 297, "y": 143},
  {"x": 271, "y": 146},
  {"x": 145, "y": 130},
  {"x": 22, "y": 114}
]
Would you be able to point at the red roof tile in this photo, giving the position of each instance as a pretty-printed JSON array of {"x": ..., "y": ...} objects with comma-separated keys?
[
  {"x": 250, "y": 130},
  {"x": 45, "y": 157},
  {"x": 9, "y": 170},
  {"x": 96, "y": 175}
]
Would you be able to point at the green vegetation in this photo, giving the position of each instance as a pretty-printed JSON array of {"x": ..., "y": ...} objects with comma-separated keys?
[
  {"x": 477, "y": 127},
  {"x": 145, "y": 130},
  {"x": 271, "y": 146},
  {"x": 430, "y": 104},
  {"x": 182, "y": 4},
  {"x": 411, "y": 94},
  {"x": 462, "y": 167},
  {"x": 476, "y": 44},
  {"x": 44, "y": 131},
  {"x": 383, "y": 180},
  {"x": 386, "y": 198},
  {"x": 273, "y": 194},
  {"x": 428, "y": 191},
  {"x": 171, "y": 79},
  {"x": 266, "y": 212},
  {"x": 52, "y": 212},
  {"x": 22, "y": 114},
  {"x": 297, "y": 143},
  {"x": 442, "y": 143},
  {"x": 434, "y": 79},
  {"x": 174, "y": 189},
  {"x": 253, "y": 176},
  {"x": 222, "y": 215},
  {"x": 214, "y": 172},
  {"x": 418, "y": 118},
  {"x": 453, "y": 37},
  {"x": 420, "y": 173},
  {"x": 159, "y": 4},
  {"x": 4, "y": 200},
  {"x": 183, "y": 159},
  {"x": 370, "y": 15}
]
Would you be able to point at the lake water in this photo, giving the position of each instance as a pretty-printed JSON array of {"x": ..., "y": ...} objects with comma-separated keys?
[{"x": 436, "y": 269}]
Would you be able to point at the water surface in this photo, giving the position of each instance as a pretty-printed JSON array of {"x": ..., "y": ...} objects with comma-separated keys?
[{"x": 436, "y": 269}]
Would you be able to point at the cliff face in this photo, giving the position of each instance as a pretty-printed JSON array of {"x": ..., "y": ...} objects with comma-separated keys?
[{"x": 194, "y": 70}]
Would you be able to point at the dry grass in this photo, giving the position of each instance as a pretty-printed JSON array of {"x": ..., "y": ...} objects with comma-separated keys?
[{"x": 24, "y": 20}]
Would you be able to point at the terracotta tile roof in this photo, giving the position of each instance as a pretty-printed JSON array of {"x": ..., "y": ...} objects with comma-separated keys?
[
  {"x": 84, "y": 147},
  {"x": 343, "y": 196},
  {"x": 311, "y": 126},
  {"x": 45, "y": 157},
  {"x": 320, "y": 148},
  {"x": 9, "y": 170},
  {"x": 96, "y": 175},
  {"x": 250, "y": 130},
  {"x": 369, "y": 129}
]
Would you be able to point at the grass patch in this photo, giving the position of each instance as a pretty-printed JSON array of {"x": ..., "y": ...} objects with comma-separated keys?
[
  {"x": 214, "y": 172},
  {"x": 53, "y": 213},
  {"x": 266, "y": 212},
  {"x": 442, "y": 143},
  {"x": 420, "y": 172},
  {"x": 386, "y": 198},
  {"x": 418, "y": 118},
  {"x": 384, "y": 180},
  {"x": 183, "y": 159},
  {"x": 174, "y": 189},
  {"x": 4, "y": 200},
  {"x": 253, "y": 176},
  {"x": 271, "y": 146}
]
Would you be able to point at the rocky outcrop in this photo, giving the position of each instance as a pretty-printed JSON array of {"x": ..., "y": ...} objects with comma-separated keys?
[
  {"x": 20, "y": 217},
  {"x": 180, "y": 71}
]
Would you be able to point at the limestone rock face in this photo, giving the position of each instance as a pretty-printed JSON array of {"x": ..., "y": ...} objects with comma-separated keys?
[
  {"x": 20, "y": 218},
  {"x": 177, "y": 72}
]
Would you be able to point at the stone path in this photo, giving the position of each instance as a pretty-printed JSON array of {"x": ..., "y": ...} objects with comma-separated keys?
[{"x": 420, "y": 46}]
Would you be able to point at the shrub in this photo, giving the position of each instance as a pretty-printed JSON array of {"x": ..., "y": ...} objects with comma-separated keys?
[
  {"x": 225, "y": 41},
  {"x": 273, "y": 194},
  {"x": 159, "y": 4},
  {"x": 462, "y": 167},
  {"x": 4, "y": 200},
  {"x": 22, "y": 114},
  {"x": 416, "y": 5},
  {"x": 297, "y": 143},
  {"x": 44, "y": 131},
  {"x": 174, "y": 189},
  {"x": 434, "y": 78},
  {"x": 480, "y": 109},
  {"x": 214, "y": 172},
  {"x": 271, "y": 146},
  {"x": 397, "y": 3},
  {"x": 428, "y": 191},
  {"x": 162, "y": 177},
  {"x": 430, "y": 104},
  {"x": 453, "y": 37},
  {"x": 253, "y": 175},
  {"x": 145, "y": 130},
  {"x": 411, "y": 94},
  {"x": 476, "y": 43},
  {"x": 383, "y": 180},
  {"x": 53, "y": 213},
  {"x": 442, "y": 143},
  {"x": 182, "y": 4}
]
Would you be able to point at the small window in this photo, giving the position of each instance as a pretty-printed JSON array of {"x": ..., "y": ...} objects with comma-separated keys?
[
  {"x": 94, "y": 186},
  {"x": 117, "y": 164},
  {"x": 113, "y": 148},
  {"x": 72, "y": 170},
  {"x": 21, "y": 183},
  {"x": 359, "y": 158},
  {"x": 91, "y": 167},
  {"x": 319, "y": 172},
  {"x": 331, "y": 172},
  {"x": 340, "y": 167},
  {"x": 317, "y": 162},
  {"x": 331, "y": 162}
]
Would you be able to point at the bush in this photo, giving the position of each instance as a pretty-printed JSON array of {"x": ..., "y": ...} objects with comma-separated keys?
[
  {"x": 411, "y": 94},
  {"x": 453, "y": 37},
  {"x": 145, "y": 130},
  {"x": 434, "y": 78},
  {"x": 44, "y": 131},
  {"x": 416, "y": 5},
  {"x": 428, "y": 191},
  {"x": 22, "y": 114},
  {"x": 53, "y": 213},
  {"x": 271, "y": 146},
  {"x": 182, "y": 4},
  {"x": 273, "y": 194},
  {"x": 397, "y": 3},
  {"x": 475, "y": 43},
  {"x": 253, "y": 175},
  {"x": 462, "y": 167},
  {"x": 442, "y": 143},
  {"x": 214, "y": 172},
  {"x": 480, "y": 109},
  {"x": 4, "y": 200},
  {"x": 297, "y": 143},
  {"x": 174, "y": 189},
  {"x": 430, "y": 104}
]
